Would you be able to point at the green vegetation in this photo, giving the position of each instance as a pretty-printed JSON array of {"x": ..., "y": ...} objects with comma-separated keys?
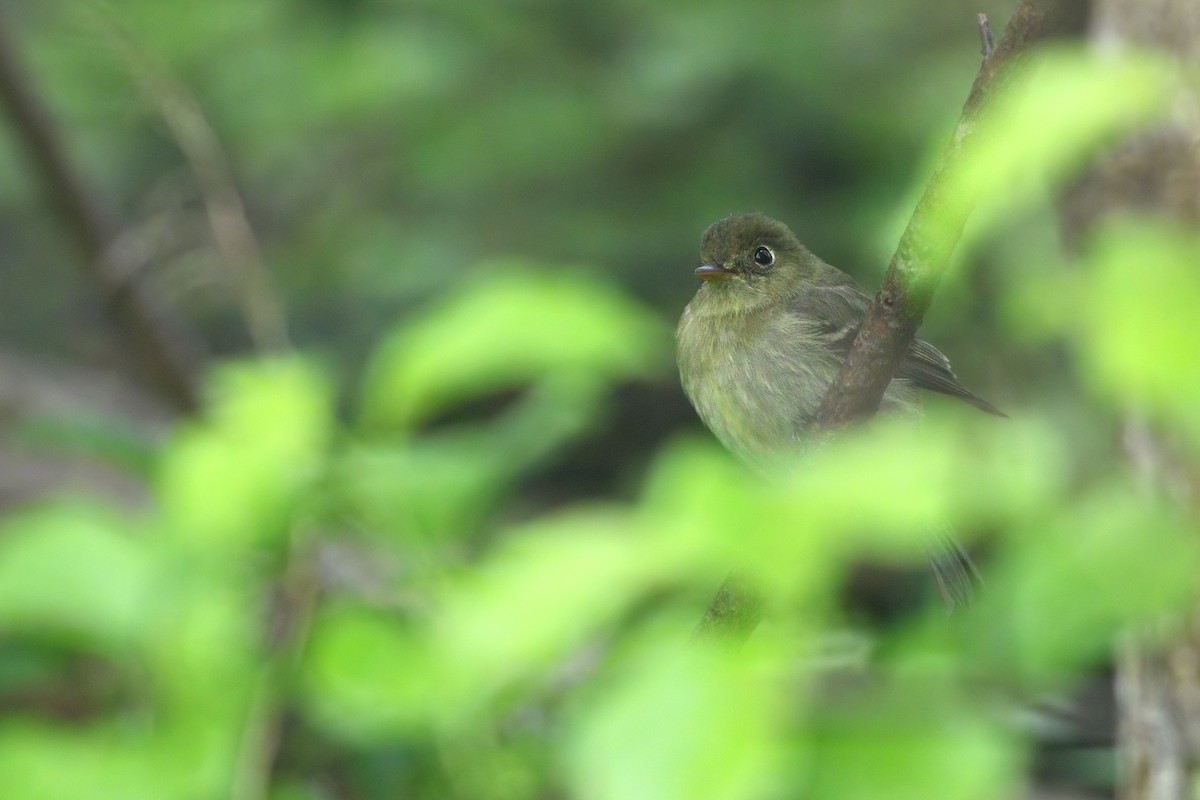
[{"x": 343, "y": 585}]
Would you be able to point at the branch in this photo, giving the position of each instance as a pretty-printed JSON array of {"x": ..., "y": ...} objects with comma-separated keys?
[
  {"x": 936, "y": 225},
  {"x": 232, "y": 233},
  {"x": 987, "y": 41},
  {"x": 164, "y": 352}
]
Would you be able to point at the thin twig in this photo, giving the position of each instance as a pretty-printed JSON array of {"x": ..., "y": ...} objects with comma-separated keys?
[
  {"x": 166, "y": 354},
  {"x": 210, "y": 165},
  {"x": 936, "y": 224},
  {"x": 986, "y": 38},
  {"x": 297, "y": 596}
]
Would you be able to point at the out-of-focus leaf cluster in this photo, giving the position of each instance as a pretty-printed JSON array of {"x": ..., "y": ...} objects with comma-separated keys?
[{"x": 195, "y": 616}]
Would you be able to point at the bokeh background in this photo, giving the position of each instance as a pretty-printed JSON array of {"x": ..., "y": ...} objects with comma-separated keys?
[{"x": 384, "y": 153}]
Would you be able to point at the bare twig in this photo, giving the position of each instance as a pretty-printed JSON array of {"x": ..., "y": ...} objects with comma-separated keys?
[
  {"x": 986, "y": 38},
  {"x": 226, "y": 212},
  {"x": 166, "y": 354},
  {"x": 935, "y": 226}
]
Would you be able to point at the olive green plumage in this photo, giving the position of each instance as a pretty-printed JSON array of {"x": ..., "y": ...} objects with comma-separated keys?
[
  {"x": 764, "y": 337},
  {"x": 768, "y": 330}
]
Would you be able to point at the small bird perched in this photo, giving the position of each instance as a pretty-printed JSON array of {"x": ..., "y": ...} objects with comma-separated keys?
[
  {"x": 764, "y": 337},
  {"x": 767, "y": 332}
]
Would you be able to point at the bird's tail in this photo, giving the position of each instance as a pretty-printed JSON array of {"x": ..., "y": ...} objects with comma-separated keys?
[{"x": 953, "y": 571}]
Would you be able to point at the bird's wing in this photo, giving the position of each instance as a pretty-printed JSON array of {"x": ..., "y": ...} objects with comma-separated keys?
[
  {"x": 837, "y": 311},
  {"x": 926, "y": 367},
  {"x": 834, "y": 311}
]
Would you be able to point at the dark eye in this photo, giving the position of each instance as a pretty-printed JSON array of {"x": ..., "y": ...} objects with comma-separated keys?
[{"x": 764, "y": 257}]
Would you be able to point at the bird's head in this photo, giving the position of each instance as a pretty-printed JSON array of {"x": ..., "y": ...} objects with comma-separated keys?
[{"x": 748, "y": 259}]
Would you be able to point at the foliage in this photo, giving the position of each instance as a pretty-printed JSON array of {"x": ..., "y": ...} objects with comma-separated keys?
[
  {"x": 314, "y": 607},
  {"x": 382, "y": 148}
]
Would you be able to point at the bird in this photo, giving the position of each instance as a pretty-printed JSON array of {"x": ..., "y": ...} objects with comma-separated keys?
[{"x": 766, "y": 333}]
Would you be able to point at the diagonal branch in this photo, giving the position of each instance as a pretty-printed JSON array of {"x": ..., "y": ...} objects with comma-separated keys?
[
  {"x": 162, "y": 349},
  {"x": 225, "y": 209},
  {"x": 936, "y": 224}
]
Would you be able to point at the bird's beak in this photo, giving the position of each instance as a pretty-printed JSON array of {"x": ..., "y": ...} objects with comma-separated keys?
[{"x": 712, "y": 272}]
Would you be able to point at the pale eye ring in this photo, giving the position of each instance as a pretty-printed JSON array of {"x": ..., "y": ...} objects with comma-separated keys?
[{"x": 764, "y": 257}]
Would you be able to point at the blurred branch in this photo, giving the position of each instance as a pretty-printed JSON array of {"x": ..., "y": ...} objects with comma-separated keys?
[
  {"x": 935, "y": 226},
  {"x": 1157, "y": 686},
  {"x": 201, "y": 147},
  {"x": 163, "y": 350},
  {"x": 295, "y": 601},
  {"x": 1155, "y": 171}
]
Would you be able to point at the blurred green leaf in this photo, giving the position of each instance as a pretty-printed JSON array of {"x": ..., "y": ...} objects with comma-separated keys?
[
  {"x": 507, "y": 327},
  {"x": 546, "y": 590},
  {"x": 204, "y": 645},
  {"x": 1084, "y": 99},
  {"x": 445, "y": 484},
  {"x": 105, "y": 762},
  {"x": 426, "y": 491},
  {"x": 1074, "y": 580},
  {"x": 365, "y": 675},
  {"x": 112, "y": 440},
  {"x": 709, "y": 514},
  {"x": 675, "y": 721},
  {"x": 76, "y": 570},
  {"x": 1004, "y": 469},
  {"x": 906, "y": 472},
  {"x": 1139, "y": 310},
  {"x": 911, "y": 743},
  {"x": 227, "y": 483}
]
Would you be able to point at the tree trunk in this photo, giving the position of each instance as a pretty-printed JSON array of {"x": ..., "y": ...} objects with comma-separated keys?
[{"x": 1156, "y": 171}]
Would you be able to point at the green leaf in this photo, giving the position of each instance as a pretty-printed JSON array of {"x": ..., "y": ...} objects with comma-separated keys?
[
  {"x": 675, "y": 721},
  {"x": 446, "y": 484},
  {"x": 1139, "y": 310},
  {"x": 1077, "y": 577},
  {"x": 365, "y": 675},
  {"x": 228, "y": 482},
  {"x": 422, "y": 492},
  {"x": 910, "y": 742},
  {"x": 1084, "y": 99},
  {"x": 102, "y": 762},
  {"x": 118, "y": 760},
  {"x": 709, "y": 512},
  {"x": 507, "y": 327},
  {"x": 77, "y": 570},
  {"x": 546, "y": 590}
]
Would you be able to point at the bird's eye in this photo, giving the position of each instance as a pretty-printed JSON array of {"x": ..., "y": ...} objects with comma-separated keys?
[{"x": 764, "y": 257}]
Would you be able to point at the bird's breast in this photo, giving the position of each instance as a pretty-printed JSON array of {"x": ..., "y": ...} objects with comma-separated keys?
[{"x": 755, "y": 381}]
